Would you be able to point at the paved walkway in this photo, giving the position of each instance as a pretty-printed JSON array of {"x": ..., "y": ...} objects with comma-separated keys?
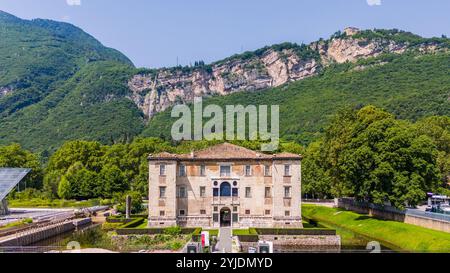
[{"x": 225, "y": 240}]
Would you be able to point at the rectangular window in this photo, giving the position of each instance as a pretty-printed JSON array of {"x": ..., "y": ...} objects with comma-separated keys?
[
  {"x": 182, "y": 212},
  {"x": 162, "y": 170},
  {"x": 202, "y": 211},
  {"x": 162, "y": 192},
  {"x": 266, "y": 170},
  {"x": 287, "y": 213},
  {"x": 215, "y": 192},
  {"x": 248, "y": 170},
  {"x": 248, "y": 192},
  {"x": 235, "y": 192},
  {"x": 225, "y": 171},
  {"x": 182, "y": 170},
  {"x": 287, "y": 192},
  {"x": 235, "y": 209},
  {"x": 268, "y": 192},
  {"x": 287, "y": 170},
  {"x": 235, "y": 217},
  {"x": 202, "y": 191},
  {"x": 247, "y": 211},
  {"x": 202, "y": 170},
  {"x": 267, "y": 212},
  {"x": 162, "y": 213},
  {"x": 182, "y": 192},
  {"x": 215, "y": 217},
  {"x": 216, "y": 209}
]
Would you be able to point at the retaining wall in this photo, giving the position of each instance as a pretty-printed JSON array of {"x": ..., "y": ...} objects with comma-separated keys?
[{"x": 423, "y": 219}]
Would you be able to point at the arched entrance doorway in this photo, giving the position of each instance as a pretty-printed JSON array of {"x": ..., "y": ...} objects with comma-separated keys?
[{"x": 225, "y": 217}]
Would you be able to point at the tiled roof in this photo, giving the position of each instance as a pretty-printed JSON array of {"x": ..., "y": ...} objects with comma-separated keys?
[{"x": 225, "y": 151}]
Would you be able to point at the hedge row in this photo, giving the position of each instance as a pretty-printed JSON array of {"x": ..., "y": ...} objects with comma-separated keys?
[
  {"x": 295, "y": 231},
  {"x": 252, "y": 234},
  {"x": 136, "y": 222},
  {"x": 152, "y": 231}
]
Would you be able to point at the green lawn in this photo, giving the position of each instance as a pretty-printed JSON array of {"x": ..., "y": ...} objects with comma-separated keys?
[
  {"x": 404, "y": 236},
  {"x": 56, "y": 203},
  {"x": 17, "y": 224}
]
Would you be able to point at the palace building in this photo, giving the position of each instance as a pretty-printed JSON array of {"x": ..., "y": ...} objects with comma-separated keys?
[{"x": 225, "y": 185}]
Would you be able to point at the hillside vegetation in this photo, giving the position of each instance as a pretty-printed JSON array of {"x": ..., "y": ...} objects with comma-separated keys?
[{"x": 410, "y": 86}]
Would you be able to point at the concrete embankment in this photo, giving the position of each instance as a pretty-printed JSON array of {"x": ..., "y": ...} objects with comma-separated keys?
[{"x": 34, "y": 235}]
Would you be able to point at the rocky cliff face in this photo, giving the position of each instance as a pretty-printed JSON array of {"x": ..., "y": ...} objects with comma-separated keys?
[
  {"x": 270, "y": 67},
  {"x": 156, "y": 92}
]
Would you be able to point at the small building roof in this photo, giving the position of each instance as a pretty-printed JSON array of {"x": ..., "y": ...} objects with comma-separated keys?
[{"x": 225, "y": 151}]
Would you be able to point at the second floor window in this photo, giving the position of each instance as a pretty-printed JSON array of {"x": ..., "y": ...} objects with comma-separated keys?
[
  {"x": 162, "y": 169},
  {"x": 202, "y": 170},
  {"x": 248, "y": 170},
  {"x": 182, "y": 170},
  {"x": 266, "y": 170},
  {"x": 225, "y": 171},
  {"x": 162, "y": 192},
  {"x": 287, "y": 170}
]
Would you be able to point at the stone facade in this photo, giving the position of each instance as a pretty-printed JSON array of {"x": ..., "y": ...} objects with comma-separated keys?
[{"x": 225, "y": 185}]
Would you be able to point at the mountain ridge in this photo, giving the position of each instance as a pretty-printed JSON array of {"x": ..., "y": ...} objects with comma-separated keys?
[{"x": 66, "y": 85}]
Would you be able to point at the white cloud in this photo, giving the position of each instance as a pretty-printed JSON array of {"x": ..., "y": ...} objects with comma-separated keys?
[
  {"x": 374, "y": 2},
  {"x": 73, "y": 2}
]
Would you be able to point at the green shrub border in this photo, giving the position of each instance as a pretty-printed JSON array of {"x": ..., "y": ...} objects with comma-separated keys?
[
  {"x": 128, "y": 229},
  {"x": 134, "y": 223}
]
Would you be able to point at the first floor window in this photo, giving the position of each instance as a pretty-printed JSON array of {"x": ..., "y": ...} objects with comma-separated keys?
[
  {"x": 202, "y": 191},
  {"x": 215, "y": 192},
  {"x": 268, "y": 192},
  {"x": 235, "y": 192},
  {"x": 267, "y": 212},
  {"x": 266, "y": 170},
  {"x": 202, "y": 211},
  {"x": 182, "y": 212},
  {"x": 162, "y": 192},
  {"x": 247, "y": 211},
  {"x": 162, "y": 213},
  {"x": 182, "y": 193},
  {"x": 287, "y": 213},
  {"x": 248, "y": 192},
  {"x": 287, "y": 192}
]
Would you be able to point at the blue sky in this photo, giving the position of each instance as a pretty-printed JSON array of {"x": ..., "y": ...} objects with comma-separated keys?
[{"x": 154, "y": 33}]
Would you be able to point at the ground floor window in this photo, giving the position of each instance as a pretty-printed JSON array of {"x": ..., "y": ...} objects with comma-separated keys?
[
  {"x": 235, "y": 217},
  {"x": 215, "y": 217}
]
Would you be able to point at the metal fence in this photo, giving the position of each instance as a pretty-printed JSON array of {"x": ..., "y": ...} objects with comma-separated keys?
[{"x": 426, "y": 214}]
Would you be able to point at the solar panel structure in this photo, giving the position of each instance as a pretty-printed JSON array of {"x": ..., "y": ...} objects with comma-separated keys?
[{"x": 9, "y": 178}]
